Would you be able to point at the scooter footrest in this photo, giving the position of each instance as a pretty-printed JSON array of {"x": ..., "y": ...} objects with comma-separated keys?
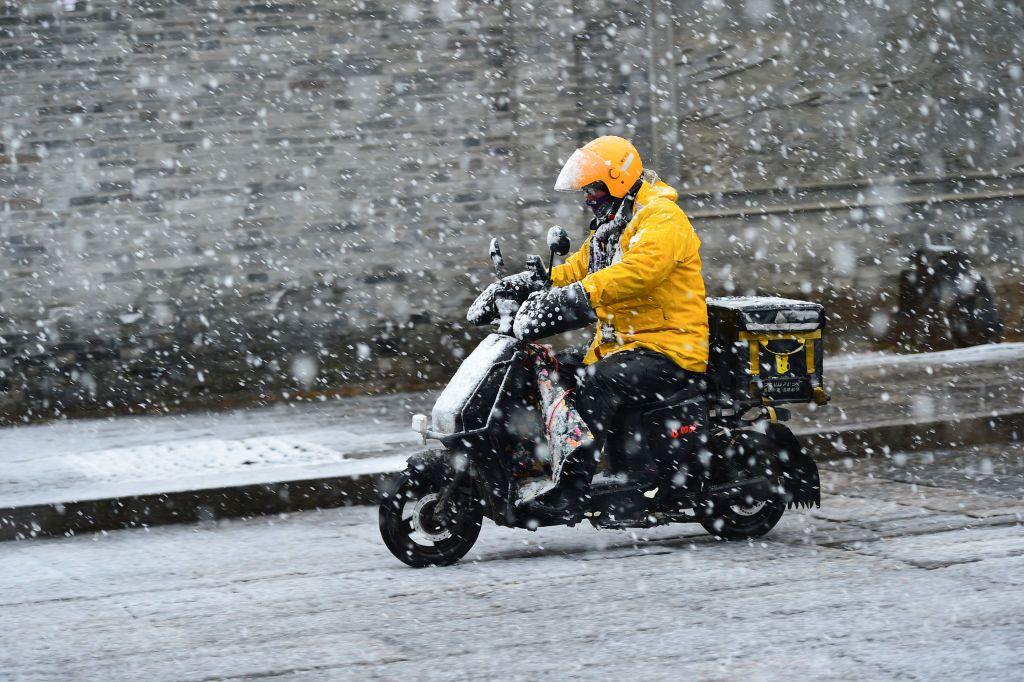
[{"x": 617, "y": 484}]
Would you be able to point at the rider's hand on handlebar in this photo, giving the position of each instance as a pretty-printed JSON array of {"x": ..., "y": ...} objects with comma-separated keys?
[
  {"x": 554, "y": 311},
  {"x": 514, "y": 288},
  {"x": 536, "y": 263}
]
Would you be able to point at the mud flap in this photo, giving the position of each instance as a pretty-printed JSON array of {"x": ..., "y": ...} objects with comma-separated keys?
[
  {"x": 434, "y": 460},
  {"x": 446, "y": 469},
  {"x": 803, "y": 486}
]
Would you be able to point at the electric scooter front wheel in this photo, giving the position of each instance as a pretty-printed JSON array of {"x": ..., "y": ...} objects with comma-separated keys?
[{"x": 415, "y": 527}]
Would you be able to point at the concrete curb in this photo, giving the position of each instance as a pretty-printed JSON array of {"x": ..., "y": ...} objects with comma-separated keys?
[
  {"x": 910, "y": 437},
  {"x": 190, "y": 506}
]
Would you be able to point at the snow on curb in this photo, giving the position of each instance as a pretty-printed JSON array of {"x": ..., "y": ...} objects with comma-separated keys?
[
  {"x": 354, "y": 468},
  {"x": 345, "y": 484},
  {"x": 996, "y": 352}
]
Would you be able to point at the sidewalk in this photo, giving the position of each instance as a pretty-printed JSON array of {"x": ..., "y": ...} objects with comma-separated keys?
[
  {"x": 87, "y": 458},
  {"x": 82, "y": 475},
  {"x": 883, "y": 403}
]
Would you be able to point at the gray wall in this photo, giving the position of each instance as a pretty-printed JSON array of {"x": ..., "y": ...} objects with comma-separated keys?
[{"x": 216, "y": 201}]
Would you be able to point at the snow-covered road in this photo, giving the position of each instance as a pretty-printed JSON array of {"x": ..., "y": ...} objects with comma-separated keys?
[{"x": 893, "y": 577}]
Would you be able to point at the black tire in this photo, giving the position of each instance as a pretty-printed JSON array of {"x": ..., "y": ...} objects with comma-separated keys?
[
  {"x": 752, "y": 455},
  {"x": 743, "y": 523},
  {"x": 411, "y": 531}
]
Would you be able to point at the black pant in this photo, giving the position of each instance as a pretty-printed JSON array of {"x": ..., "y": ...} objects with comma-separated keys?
[{"x": 626, "y": 378}]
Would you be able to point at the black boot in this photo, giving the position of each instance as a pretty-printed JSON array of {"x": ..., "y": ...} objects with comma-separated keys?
[{"x": 567, "y": 500}]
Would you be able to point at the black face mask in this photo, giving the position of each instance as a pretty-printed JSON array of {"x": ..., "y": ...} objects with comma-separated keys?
[{"x": 602, "y": 206}]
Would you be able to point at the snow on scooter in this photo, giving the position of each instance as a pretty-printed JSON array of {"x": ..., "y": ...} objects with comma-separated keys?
[{"x": 721, "y": 458}]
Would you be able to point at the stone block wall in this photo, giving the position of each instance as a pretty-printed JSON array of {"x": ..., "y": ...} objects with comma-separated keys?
[{"x": 220, "y": 200}]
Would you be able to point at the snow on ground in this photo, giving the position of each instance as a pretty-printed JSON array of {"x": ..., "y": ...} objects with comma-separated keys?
[
  {"x": 996, "y": 352},
  {"x": 884, "y": 581},
  {"x": 92, "y": 458},
  {"x": 348, "y": 424}
]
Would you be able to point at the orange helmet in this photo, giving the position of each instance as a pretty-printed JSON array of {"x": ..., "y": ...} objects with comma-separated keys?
[{"x": 609, "y": 159}]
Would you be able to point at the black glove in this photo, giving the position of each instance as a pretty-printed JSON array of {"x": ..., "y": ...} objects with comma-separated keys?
[
  {"x": 536, "y": 263},
  {"x": 514, "y": 287},
  {"x": 554, "y": 311}
]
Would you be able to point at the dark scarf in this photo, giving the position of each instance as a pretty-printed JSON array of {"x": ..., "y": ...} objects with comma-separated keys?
[{"x": 607, "y": 233}]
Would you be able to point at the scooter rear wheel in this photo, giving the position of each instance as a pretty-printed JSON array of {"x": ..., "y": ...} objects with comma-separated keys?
[
  {"x": 742, "y": 522},
  {"x": 411, "y": 529}
]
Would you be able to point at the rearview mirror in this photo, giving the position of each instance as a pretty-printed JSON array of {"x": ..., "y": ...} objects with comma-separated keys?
[
  {"x": 558, "y": 241},
  {"x": 496, "y": 260}
]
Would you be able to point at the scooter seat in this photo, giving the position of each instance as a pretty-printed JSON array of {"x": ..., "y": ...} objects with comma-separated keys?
[{"x": 686, "y": 392}]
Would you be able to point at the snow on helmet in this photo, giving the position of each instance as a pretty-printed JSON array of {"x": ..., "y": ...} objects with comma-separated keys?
[{"x": 608, "y": 159}]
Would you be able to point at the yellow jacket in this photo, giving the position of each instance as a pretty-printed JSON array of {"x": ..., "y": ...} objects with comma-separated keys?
[{"x": 653, "y": 294}]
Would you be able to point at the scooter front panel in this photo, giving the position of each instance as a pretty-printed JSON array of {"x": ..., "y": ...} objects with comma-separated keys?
[{"x": 447, "y": 415}]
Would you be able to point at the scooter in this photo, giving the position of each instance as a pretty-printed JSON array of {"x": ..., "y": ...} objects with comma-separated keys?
[{"x": 721, "y": 458}]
